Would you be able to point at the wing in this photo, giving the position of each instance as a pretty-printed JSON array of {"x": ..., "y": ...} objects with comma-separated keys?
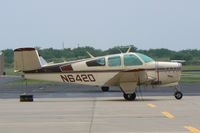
[{"x": 140, "y": 76}]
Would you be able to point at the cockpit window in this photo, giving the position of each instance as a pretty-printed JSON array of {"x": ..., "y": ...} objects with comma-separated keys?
[
  {"x": 98, "y": 62},
  {"x": 145, "y": 58},
  {"x": 131, "y": 60},
  {"x": 114, "y": 61}
]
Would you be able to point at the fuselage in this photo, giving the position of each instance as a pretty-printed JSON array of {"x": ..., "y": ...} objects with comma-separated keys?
[{"x": 111, "y": 70}]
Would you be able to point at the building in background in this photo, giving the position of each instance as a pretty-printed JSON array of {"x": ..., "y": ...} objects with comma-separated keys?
[{"x": 2, "y": 70}]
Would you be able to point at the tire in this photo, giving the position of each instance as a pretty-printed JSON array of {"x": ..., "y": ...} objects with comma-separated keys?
[
  {"x": 178, "y": 95},
  {"x": 105, "y": 89},
  {"x": 130, "y": 97}
]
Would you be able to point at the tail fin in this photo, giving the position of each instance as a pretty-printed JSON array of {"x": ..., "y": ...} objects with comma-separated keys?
[{"x": 26, "y": 59}]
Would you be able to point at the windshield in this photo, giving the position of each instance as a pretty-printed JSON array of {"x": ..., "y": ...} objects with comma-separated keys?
[
  {"x": 131, "y": 60},
  {"x": 145, "y": 58}
]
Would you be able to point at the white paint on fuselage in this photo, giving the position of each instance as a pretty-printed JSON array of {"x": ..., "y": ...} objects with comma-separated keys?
[
  {"x": 83, "y": 78},
  {"x": 166, "y": 72}
]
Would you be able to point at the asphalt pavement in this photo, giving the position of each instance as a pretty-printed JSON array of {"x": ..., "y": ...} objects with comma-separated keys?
[
  {"x": 64, "y": 90},
  {"x": 63, "y": 108}
]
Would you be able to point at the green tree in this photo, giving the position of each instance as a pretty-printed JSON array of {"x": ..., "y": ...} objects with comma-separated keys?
[
  {"x": 8, "y": 57},
  {"x": 181, "y": 56}
]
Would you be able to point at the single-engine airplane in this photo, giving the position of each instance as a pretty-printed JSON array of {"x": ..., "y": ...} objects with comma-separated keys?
[{"x": 125, "y": 70}]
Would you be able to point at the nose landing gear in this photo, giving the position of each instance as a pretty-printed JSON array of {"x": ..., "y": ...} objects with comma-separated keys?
[{"x": 178, "y": 94}]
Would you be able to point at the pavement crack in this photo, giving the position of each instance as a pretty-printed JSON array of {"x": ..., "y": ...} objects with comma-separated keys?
[{"x": 93, "y": 113}]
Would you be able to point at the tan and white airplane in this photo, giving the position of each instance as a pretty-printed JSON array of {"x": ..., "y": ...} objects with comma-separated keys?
[{"x": 126, "y": 70}]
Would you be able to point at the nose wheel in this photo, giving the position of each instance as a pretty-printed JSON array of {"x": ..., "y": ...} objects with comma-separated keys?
[{"x": 178, "y": 94}]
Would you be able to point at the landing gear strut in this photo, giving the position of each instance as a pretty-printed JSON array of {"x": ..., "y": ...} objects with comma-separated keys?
[
  {"x": 105, "y": 89},
  {"x": 130, "y": 97},
  {"x": 178, "y": 94}
]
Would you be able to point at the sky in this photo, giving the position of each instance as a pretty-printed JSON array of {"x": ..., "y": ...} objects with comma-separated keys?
[{"x": 102, "y": 24}]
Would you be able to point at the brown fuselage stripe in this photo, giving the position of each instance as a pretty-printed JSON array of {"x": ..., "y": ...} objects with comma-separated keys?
[{"x": 118, "y": 70}]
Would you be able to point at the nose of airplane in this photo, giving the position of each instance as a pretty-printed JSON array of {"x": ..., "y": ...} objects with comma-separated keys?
[
  {"x": 168, "y": 72},
  {"x": 172, "y": 65},
  {"x": 178, "y": 65}
]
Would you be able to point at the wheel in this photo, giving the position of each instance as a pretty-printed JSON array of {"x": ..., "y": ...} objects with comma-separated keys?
[
  {"x": 105, "y": 89},
  {"x": 130, "y": 97},
  {"x": 178, "y": 95}
]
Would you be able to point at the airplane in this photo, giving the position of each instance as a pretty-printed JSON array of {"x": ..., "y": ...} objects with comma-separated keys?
[{"x": 125, "y": 70}]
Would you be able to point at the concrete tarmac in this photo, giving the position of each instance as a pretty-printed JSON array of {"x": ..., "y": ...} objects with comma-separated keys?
[
  {"x": 88, "y": 110},
  {"x": 100, "y": 115}
]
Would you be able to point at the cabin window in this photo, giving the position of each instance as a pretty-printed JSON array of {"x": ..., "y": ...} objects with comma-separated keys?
[
  {"x": 131, "y": 60},
  {"x": 98, "y": 62},
  {"x": 145, "y": 58},
  {"x": 114, "y": 61}
]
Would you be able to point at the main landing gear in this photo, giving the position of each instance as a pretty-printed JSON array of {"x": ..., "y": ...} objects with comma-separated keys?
[
  {"x": 130, "y": 97},
  {"x": 178, "y": 94},
  {"x": 105, "y": 88}
]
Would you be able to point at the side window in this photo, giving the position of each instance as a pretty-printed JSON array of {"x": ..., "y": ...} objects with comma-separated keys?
[
  {"x": 114, "y": 61},
  {"x": 98, "y": 62},
  {"x": 131, "y": 60}
]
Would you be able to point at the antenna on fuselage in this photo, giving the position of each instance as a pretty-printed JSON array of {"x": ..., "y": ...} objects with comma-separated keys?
[
  {"x": 91, "y": 56},
  {"x": 129, "y": 49}
]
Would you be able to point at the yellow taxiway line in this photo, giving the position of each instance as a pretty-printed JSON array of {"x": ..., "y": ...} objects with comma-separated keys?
[
  {"x": 151, "y": 105},
  {"x": 192, "y": 129},
  {"x": 168, "y": 115}
]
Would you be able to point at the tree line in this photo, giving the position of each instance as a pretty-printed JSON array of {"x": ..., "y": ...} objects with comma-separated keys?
[{"x": 191, "y": 56}]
